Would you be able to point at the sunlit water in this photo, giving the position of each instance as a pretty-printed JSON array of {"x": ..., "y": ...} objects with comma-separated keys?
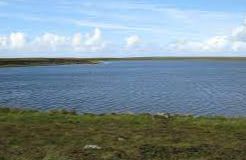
[{"x": 187, "y": 87}]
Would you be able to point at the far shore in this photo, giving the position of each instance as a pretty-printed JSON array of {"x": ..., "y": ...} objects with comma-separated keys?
[{"x": 18, "y": 62}]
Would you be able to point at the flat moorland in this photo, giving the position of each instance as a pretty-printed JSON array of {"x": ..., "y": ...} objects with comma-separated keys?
[
  {"x": 12, "y": 62},
  {"x": 16, "y": 62},
  {"x": 62, "y": 135}
]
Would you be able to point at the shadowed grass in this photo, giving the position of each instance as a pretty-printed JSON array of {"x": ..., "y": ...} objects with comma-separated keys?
[{"x": 28, "y": 135}]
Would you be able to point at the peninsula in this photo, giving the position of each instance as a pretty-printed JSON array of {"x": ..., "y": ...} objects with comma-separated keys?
[{"x": 15, "y": 62}]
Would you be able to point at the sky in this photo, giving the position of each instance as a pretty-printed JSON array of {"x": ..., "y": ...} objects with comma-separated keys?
[{"x": 122, "y": 28}]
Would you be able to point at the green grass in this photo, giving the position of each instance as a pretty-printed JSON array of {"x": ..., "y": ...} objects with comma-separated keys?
[{"x": 62, "y": 135}]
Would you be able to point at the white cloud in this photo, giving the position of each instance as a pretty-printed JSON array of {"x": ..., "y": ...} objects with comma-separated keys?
[
  {"x": 217, "y": 43},
  {"x": 17, "y": 40},
  {"x": 132, "y": 41},
  {"x": 3, "y": 42},
  {"x": 89, "y": 42},
  {"x": 185, "y": 45},
  {"x": 214, "y": 44},
  {"x": 239, "y": 34},
  {"x": 50, "y": 41},
  {"x": 13, "y": 41},
  {"x": 77, "y": 39},
  {"x": 94, "y": 38},
  {"x": 233, "y": 42},
  {"x": 239, "y": 46}
]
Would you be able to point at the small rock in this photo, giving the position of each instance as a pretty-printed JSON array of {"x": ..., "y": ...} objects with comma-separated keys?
[
  {"x": 91, "y": 146},
  {"x": 130, "y": 113},
  {"x": 166, "y": 115},
  {"x": 121, "y": 139}
]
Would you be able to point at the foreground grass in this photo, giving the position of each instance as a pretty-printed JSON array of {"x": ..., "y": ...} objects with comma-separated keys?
[{"x": 33, "y": 135}]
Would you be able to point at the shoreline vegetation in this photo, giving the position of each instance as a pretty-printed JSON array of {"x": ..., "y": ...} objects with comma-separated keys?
[
  {"x": 66, "y": 135},
  {"x": 17, "y": 62}
]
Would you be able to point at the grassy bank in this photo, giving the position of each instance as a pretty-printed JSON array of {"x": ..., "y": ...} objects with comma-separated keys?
[
  {"x": 29, "y": 135},
  {"x": 12, "y": 62}
]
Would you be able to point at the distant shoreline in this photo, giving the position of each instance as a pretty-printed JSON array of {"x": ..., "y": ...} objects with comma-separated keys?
[
  {"x": 19, "y": 62},
  {"x": 171, "y": 58}
]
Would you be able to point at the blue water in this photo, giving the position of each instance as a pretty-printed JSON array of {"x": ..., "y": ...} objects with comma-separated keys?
[{"x": 186, "y": 87}]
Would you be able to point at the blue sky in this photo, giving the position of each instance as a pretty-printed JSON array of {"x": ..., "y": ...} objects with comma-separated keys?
[{"x": 117, "y": 28}]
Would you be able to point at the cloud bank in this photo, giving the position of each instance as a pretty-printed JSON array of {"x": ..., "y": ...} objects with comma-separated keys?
[
  {"x": 93, "y": 42},
  {"x": 233, "y": 42},
  {"x": 49, "y": 42}
]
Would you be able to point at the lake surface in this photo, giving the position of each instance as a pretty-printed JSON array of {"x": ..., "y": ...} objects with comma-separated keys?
[{"x": 187, "y": 87}]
